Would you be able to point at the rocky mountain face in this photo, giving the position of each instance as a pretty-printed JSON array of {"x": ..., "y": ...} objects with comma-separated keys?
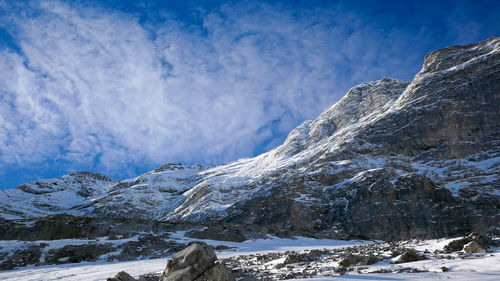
[{"x": 391, "y": 160}]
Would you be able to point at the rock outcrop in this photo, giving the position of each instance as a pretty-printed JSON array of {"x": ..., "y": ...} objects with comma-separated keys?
[
  {"x": 481, "y": 242},
  {"x": 197, "y": 262},
  {"x": 474, "y": 247},
  {"x": 409, "y": 256}
]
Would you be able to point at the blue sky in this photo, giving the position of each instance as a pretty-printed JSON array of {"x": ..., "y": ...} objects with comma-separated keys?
[{"x": 122, "y": 87}]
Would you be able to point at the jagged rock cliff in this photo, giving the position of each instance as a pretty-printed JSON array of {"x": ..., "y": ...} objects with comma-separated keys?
[{"x": 392, "y": 159}]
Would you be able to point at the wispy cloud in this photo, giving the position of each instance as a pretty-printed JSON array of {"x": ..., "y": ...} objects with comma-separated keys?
[{"x": 89, "y": 87}]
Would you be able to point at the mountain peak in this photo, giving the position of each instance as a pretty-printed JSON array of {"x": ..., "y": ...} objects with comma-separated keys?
[
  {"x": 361, "y": 103},
  {"x": 452, "y": 56}
]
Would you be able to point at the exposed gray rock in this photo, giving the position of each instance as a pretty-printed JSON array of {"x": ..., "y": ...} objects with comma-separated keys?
[
  {"x": 77, "y": 253},
  {"x": 149, "y": 277},
  {"x": 122, "y": 276},
  {"x": 220, "y": 232},
  {"x": 147, "y": 246},
  {"x": 458, "y": 245},
  {"x": 293, "y": 258},
  {"x": 196, "y": 262},
  {"x": 474, "y": 247},
  {"x": 22, "y": 257},
  {"x": 410, "y": 256},
  {"x": 483, "y": 240},
  {"x": 357, "y": 260},
  {"x": 64, "y": 226},
  {"x": 218, "y": 272}
]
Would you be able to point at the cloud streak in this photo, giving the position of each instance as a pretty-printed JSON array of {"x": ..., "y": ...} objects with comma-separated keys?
[{"x": 89, "y": 87}]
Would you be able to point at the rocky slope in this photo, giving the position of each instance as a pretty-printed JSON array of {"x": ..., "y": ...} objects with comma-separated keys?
[{"x": 391, "y": 160}]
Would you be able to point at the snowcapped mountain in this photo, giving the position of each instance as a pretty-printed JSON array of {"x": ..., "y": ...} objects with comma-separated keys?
[
  {"x": 53, "y": 196},
  {"x": 149, "y": 196},
  {"x": 392, "y": 159}
]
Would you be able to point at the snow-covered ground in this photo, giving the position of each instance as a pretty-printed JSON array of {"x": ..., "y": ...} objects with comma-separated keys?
[
  {"x": 474, "y": 267},
  {"x": 273, "y": 244},
  {"x": 101, "y": 270}
]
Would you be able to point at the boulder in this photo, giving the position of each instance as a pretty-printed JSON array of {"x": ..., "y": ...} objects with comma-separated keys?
[
  {"x": 122, "y": 276},
  {"x": 218, "y": 272},
  {"x": 222, "y": 247},
  {"x": 456, "y": 245},
  {"x": 293, "y": 258},
  {"x": 357, "y": 260},
  {"x": 482, "y": 241},
  {"x": 409, "y": 256},
  {"x": 474, "y": 247},
  {"x": 196, "y": 262}
]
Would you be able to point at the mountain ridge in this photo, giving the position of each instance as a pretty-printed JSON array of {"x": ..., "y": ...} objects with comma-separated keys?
[{"x": 392, "y": 159}]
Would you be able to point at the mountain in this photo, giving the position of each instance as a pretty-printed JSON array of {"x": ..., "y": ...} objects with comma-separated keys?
[{"x": 391, "y": 160}]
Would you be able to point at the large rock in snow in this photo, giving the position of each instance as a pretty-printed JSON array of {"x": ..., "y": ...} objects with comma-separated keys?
[
  {"x": 122, "y": 276},
  {"x": 196, "y": 262},
  {"x": 474, "y": 247}
]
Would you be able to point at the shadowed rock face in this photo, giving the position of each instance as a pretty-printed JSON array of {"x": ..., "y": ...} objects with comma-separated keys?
[
  {"x": 64, "y": 226},
  {"x": 391, "y": 160}
]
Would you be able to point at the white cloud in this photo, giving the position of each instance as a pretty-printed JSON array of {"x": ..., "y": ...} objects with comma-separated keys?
[{"x": 94, "y": 89}]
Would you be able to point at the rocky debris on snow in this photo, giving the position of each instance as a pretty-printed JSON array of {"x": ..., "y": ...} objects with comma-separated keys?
[
  {"x": 401, "y": 270},
  {"x": 77, "y": 253},
  {"x": 293, "y": 258},
  {"x": 346, "y": 260},
  {"x": 409, "y": 256},
  {"x": 308, "y": 264},
  {"x": 21, "y": 257},
  {"x": 148, "y": 245},
  {"x": 357, "y": 260},
  {"x": 122, "y": 276},
  {"x": 115, "y": 248},
  {"x": 481, "y": 240},
  {"x": 196, "y": 262}
]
